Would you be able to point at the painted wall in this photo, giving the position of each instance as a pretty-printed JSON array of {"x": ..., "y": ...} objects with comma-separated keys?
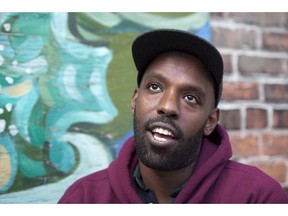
[{"x": 66, "y": 80}]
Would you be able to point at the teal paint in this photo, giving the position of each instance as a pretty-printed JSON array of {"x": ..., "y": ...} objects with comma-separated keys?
[{"x": 54, "y": 95}]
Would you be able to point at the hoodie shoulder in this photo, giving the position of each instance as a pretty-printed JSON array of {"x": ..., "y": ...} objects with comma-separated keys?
[
  {"x": 87, "y": 189},
  {"x": 252, "y": 184}
]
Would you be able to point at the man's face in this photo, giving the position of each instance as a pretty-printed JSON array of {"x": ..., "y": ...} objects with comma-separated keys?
[{"x": 173, "y": 109}]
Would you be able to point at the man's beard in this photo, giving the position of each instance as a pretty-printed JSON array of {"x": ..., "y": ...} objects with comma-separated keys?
[{"x": 184, "y": 154}]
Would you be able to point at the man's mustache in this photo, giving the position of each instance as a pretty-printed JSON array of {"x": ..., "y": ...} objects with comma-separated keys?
[{"x": 166, "y": 120}]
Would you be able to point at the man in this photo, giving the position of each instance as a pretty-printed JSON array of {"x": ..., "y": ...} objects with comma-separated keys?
[{"x": 179, "y": 154}]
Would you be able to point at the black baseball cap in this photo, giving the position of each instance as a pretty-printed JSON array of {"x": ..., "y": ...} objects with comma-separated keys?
[{"x": 150, "y": 44}]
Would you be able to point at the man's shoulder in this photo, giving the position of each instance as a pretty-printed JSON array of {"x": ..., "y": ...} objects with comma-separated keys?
[
  {"x": 85, "y": 189},
  {"x": 254, "y": 185},
  {"x": 247, "y": 170},
  {"x": 93, "y": 177},
  {"x": 92, "y": 180},
  {"x": 250, "y": 174}
]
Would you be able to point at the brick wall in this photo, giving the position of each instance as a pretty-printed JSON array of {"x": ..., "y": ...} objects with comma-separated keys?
[{"x": 255, "y": 95}]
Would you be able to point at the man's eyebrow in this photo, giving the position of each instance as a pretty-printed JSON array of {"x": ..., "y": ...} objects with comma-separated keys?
[
  {"x": 195, "y": 89},
  {"x": 156, "y": 75}
]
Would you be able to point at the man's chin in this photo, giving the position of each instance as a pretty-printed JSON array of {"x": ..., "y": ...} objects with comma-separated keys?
[{"x": 162, "y": 164}]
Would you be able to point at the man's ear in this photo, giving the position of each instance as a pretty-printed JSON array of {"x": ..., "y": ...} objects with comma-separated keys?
[
  {"x": 134, "y": 99},
  {"x": 212, "y": 121}
]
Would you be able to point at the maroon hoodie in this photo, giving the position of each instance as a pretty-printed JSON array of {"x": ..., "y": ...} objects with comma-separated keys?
[{"x": 216, "y": 179}]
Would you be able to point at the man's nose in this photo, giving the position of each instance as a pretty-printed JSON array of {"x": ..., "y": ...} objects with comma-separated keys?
[{"x": 169, "y": 105}]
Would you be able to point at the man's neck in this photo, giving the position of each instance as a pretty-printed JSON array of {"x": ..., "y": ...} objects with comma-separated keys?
[{"x": 163, "y": 183}]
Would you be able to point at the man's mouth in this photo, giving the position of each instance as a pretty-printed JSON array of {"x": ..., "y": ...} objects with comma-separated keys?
[{"x": 162, "y": 134}]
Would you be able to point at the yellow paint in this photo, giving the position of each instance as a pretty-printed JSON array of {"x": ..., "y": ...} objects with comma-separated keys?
[
  {"x": 18, "y": 90},
  {"x": 5, "y": 166}
]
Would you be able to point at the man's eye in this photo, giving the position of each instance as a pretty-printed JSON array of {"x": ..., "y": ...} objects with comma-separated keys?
[
  {"x": 191, "y": 98},
  {"x": 154, "y": 87}
]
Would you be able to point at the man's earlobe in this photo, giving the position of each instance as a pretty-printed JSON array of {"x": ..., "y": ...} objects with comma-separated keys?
[
  {"x": 212, "y": 121},
  {"x": 133, "y": 101}
]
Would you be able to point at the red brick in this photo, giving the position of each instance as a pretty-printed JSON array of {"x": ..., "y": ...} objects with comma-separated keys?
[
  {"x": 217, "y": 15},
  {"x": 240, "y": 91},
  {"x": 276, "y": 169},
  {"x": 285, "y": 15},
  {"x": 233, "y": 38},
  {"x": 275, "y": 144},
  {"x": 280, "y": 119},
  {"x": 261, "y": 19},
  {"x": 256, "y": 118},
  {"x": 230, "y": 119},
  {"x": 252, "y": 65},
  {"x": 275, "y": 41},
  {"x": 244, "y": 146},
  {"x": 276, "y": 93},
  {"x": 227, "y": 61}
]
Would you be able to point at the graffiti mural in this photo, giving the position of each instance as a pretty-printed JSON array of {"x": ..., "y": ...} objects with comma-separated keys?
[{"x": 66, "y": 80}]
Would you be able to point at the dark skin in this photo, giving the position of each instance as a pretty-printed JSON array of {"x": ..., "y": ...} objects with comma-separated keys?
[{"x": 178, "y": 87}]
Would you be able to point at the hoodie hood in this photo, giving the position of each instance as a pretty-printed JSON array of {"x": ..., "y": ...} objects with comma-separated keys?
[{"x": 214, "y": 154}]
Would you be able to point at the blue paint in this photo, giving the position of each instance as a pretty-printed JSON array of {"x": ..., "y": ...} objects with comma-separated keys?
[
  {"x": 40, "y": 49},
  {"x": 204, "y": 32},
  {"x": 31, "y": 168}
]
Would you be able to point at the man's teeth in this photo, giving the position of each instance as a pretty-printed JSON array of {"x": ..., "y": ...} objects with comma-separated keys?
[
  {"x": 160, "y": 138},
  {"x": 163, "y": 131}
]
